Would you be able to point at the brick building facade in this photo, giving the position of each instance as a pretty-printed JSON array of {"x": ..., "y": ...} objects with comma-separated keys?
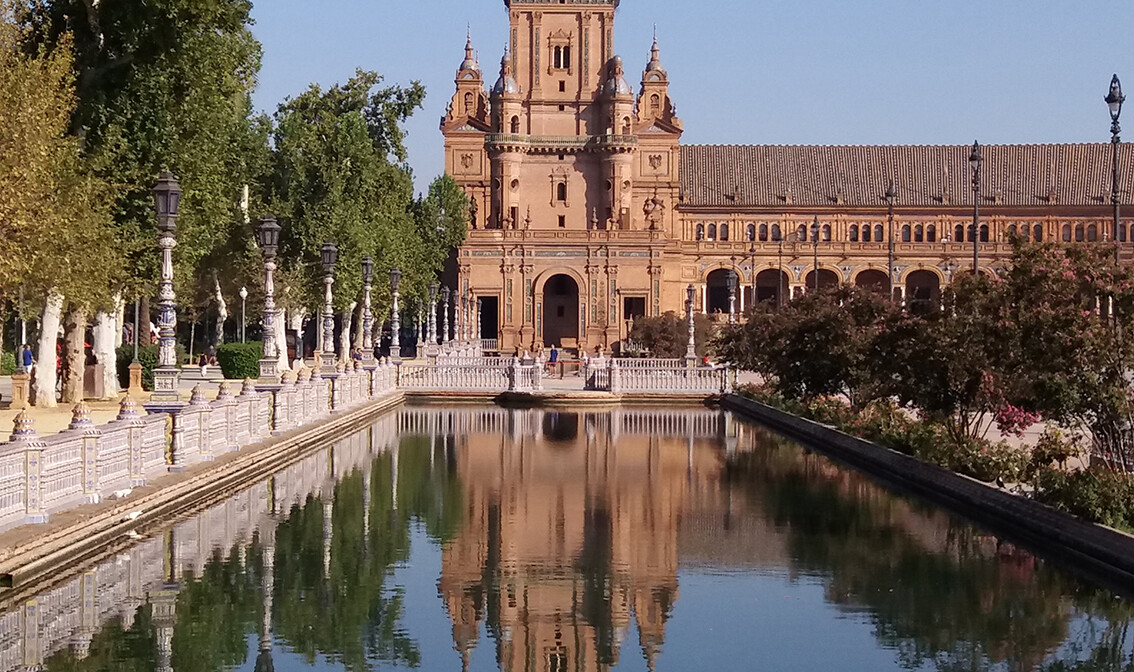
[{"x": 588, "y": 212}]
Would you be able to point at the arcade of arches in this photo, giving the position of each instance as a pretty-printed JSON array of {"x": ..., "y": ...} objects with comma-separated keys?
[{"x": 573, "y": 167}]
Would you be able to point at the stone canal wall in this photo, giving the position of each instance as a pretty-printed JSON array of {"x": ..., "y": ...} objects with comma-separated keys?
[{"x": 1103, "y": 553}]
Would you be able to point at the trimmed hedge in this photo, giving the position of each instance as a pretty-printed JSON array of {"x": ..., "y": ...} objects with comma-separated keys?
[
  {"x": 7, "y": 363},
  {"x": 147, "y": 357},
  {"x": 240, "y": 360}
]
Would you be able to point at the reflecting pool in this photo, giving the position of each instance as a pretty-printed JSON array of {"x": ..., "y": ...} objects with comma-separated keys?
[{"x": 483, "y": 538}]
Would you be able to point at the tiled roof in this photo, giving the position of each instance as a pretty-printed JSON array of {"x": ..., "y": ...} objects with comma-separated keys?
[{"x": 932, "y": 176}]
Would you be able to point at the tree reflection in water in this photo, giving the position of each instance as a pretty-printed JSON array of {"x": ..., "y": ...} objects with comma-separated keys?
[{"x": 560, "y": 536}]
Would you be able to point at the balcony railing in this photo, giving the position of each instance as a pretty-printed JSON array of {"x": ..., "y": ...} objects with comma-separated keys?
[{"x": 560, "y": 143}]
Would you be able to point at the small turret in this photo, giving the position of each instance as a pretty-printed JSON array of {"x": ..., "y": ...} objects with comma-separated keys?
[{"x": 506, "y": 84}]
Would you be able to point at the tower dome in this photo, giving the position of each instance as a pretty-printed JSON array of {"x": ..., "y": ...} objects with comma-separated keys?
[
  {"x": 506, "y": 84},
  {"x": 469, "y": 64},
  {"x": 617, "y": 84}
]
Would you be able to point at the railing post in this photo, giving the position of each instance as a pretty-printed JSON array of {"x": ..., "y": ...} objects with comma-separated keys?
[
  {"x": 81, "y": 422},
  {"x": 128, "y": 414},
  {"x": 615, "y": 377},
  {"x": 24, "y": 438},
  {"x": 514, "y": 375}
]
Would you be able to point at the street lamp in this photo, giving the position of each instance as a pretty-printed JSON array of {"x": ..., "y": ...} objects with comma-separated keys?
[
  {"x": 815, "y": 246},
  {"x": 243, "y": 313},
  {"x": 330, "y": 256},
  {"x": 976, "y": 161},
  {"x": 732, "y": 282},
  {"x": 167, "y": 375},
  {"x": 1114, "y": 100},
  {"x": 434, "y": 288},
  {"x": 445, "y": 313},
  {"x": 268, "y": 236},
  {"x": 367, "y": 313},
  {"x": 395, "y": 320},
  {"x": 691, "y": 347},
  {"x": 752, "y": 270},
  {"x": 890, "y": 196}
]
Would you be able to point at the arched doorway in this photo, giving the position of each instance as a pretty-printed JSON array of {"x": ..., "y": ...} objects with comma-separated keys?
[
  {"x": 717, "y": 287},
  {"x": 873, "y": 280},
  {"x": 828, "y": 279},
  {"x": 561, "y": 312},
  {"x": 771, "y": 286},
  {"x": 923, "y": 291}
]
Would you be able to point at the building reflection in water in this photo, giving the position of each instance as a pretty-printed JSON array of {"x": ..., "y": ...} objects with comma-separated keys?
[{"x": 570, "y": 530}]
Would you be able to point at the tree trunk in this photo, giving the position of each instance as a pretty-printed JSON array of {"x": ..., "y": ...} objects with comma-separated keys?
[
  {"x": 222, "y": 313},
  {"x": 119, "y": 321},
  {"x": 295, "y": 323},
  {"x": 280, "y": 327},
  {"x": 107, "y": 330},
  {"x": 358, "y": 326},
  {"x": 74, "y": 355},
  {"x": 344, "y": 333},
  {"x": 44, "y": 395},
  {"x": 144, "y": 323}
]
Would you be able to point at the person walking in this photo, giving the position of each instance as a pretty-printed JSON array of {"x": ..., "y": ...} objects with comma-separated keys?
[
  {"x": 27, "y": 359},
  {"x": 552, "y": 359}
]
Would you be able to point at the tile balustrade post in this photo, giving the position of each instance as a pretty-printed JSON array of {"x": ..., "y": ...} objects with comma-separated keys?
[
  {"x": 82, "y": 424},
  {"x": 615, "y": 377},
  {"x": 227, "y": 401},
  {"x": 199, "y": 419},
  {"x": 135, "y": 440},
  {"x": 24, "y": 438}
]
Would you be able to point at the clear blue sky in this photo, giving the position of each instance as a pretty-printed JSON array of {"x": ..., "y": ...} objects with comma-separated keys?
[{"x": 761, "y": 71}]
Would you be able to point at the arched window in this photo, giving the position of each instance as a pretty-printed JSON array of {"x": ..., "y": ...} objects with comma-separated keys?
[
  {"x": 1122, "y": 233},
  {"x": 655, "y": 104},
  {"x": 776, "y": 236},
  {"x": 826, "y": 233},
  {"x": 905, "y": 233},
  {"x": 959, "y": 233},
  {"x": 751, "y": 232},
  {"x": 1067, "y": 233},
  {"x": 878, "y": 233},
  {"x": 763, "y": 233},
  {"x": 1079, "y": 233},
  {"x": 1037, "y": 233},
  {"x": 801, "y": 234},
  {"x": 515, "y": 125},
  {"x": 1024, "y": 231},
  {"x": 931, "y": 233},
  {"x": 566, "y": 58},
  {"x": 712, "y": 232},
  {"x": 866, "y": 233},
  {"x": 1012, "y": 232},
  {"x": 561, "y": 191},
  {"x": 469, "y": 101},
  {"x": 724, "y": 232},
  {"x": 984, "y": 233},
  {"x": 700, "y": 232},
  {"x": 1092, "y": 233},
  {"x": 852, "y": 233},
  {"x": 919, "y": 234}
]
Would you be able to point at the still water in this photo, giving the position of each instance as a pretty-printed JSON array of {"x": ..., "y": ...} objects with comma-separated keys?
[{"x": 542, "y": 541}]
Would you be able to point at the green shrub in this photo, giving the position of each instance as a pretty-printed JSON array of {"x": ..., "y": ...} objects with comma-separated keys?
[
  {"x": 240, "y": 360},
  {"x": 7, "y": 363},
  {"x": 1102, "y": 496},
  {"x": 147, "y": 357}
]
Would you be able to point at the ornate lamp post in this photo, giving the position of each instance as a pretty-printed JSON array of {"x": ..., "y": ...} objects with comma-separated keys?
[
  {"x": 691, "y": 346},
  {"x": 367, "y": 314},
  {"x": 167, "y": 375},
  {"x": 330, "y": 256},
  {"x": 243, "y": 313},
  {"x": 476, "y": 321},
  {"x": 890, "y": 196},
  {"x": 1114, "y": 100},
  {"x": 434, "y": 288},
  {"x": 815, "y": 249},
  {"x": 420, "y": 328},
  {"x": 445, "y": 314},
  {"x": 395, "y": 320},
  {"x": 976, "y": 161},
  {"x": 268, "y": 235},
  {"x": 732, "y": 282},
  {"x": 752, "y": 270}
]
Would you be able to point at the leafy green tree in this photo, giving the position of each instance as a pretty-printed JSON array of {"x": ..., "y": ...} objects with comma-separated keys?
[
  {"x": 335, "y": 179},
  {"x": 668, "y": 335}
]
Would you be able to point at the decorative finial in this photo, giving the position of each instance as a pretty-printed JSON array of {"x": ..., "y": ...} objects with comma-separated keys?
[
  {"x": 23, "y": 427},
  {"x": 248, "y": 389},
  {"x": 223, "y": 392},
  {"x": 198, "y": 396},
  {"x": 81, "y": 417},
  {"x": 128, "y": 409}
]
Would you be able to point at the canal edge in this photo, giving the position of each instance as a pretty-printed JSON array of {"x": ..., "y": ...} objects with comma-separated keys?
[{"x": 1101, "y": 553}]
